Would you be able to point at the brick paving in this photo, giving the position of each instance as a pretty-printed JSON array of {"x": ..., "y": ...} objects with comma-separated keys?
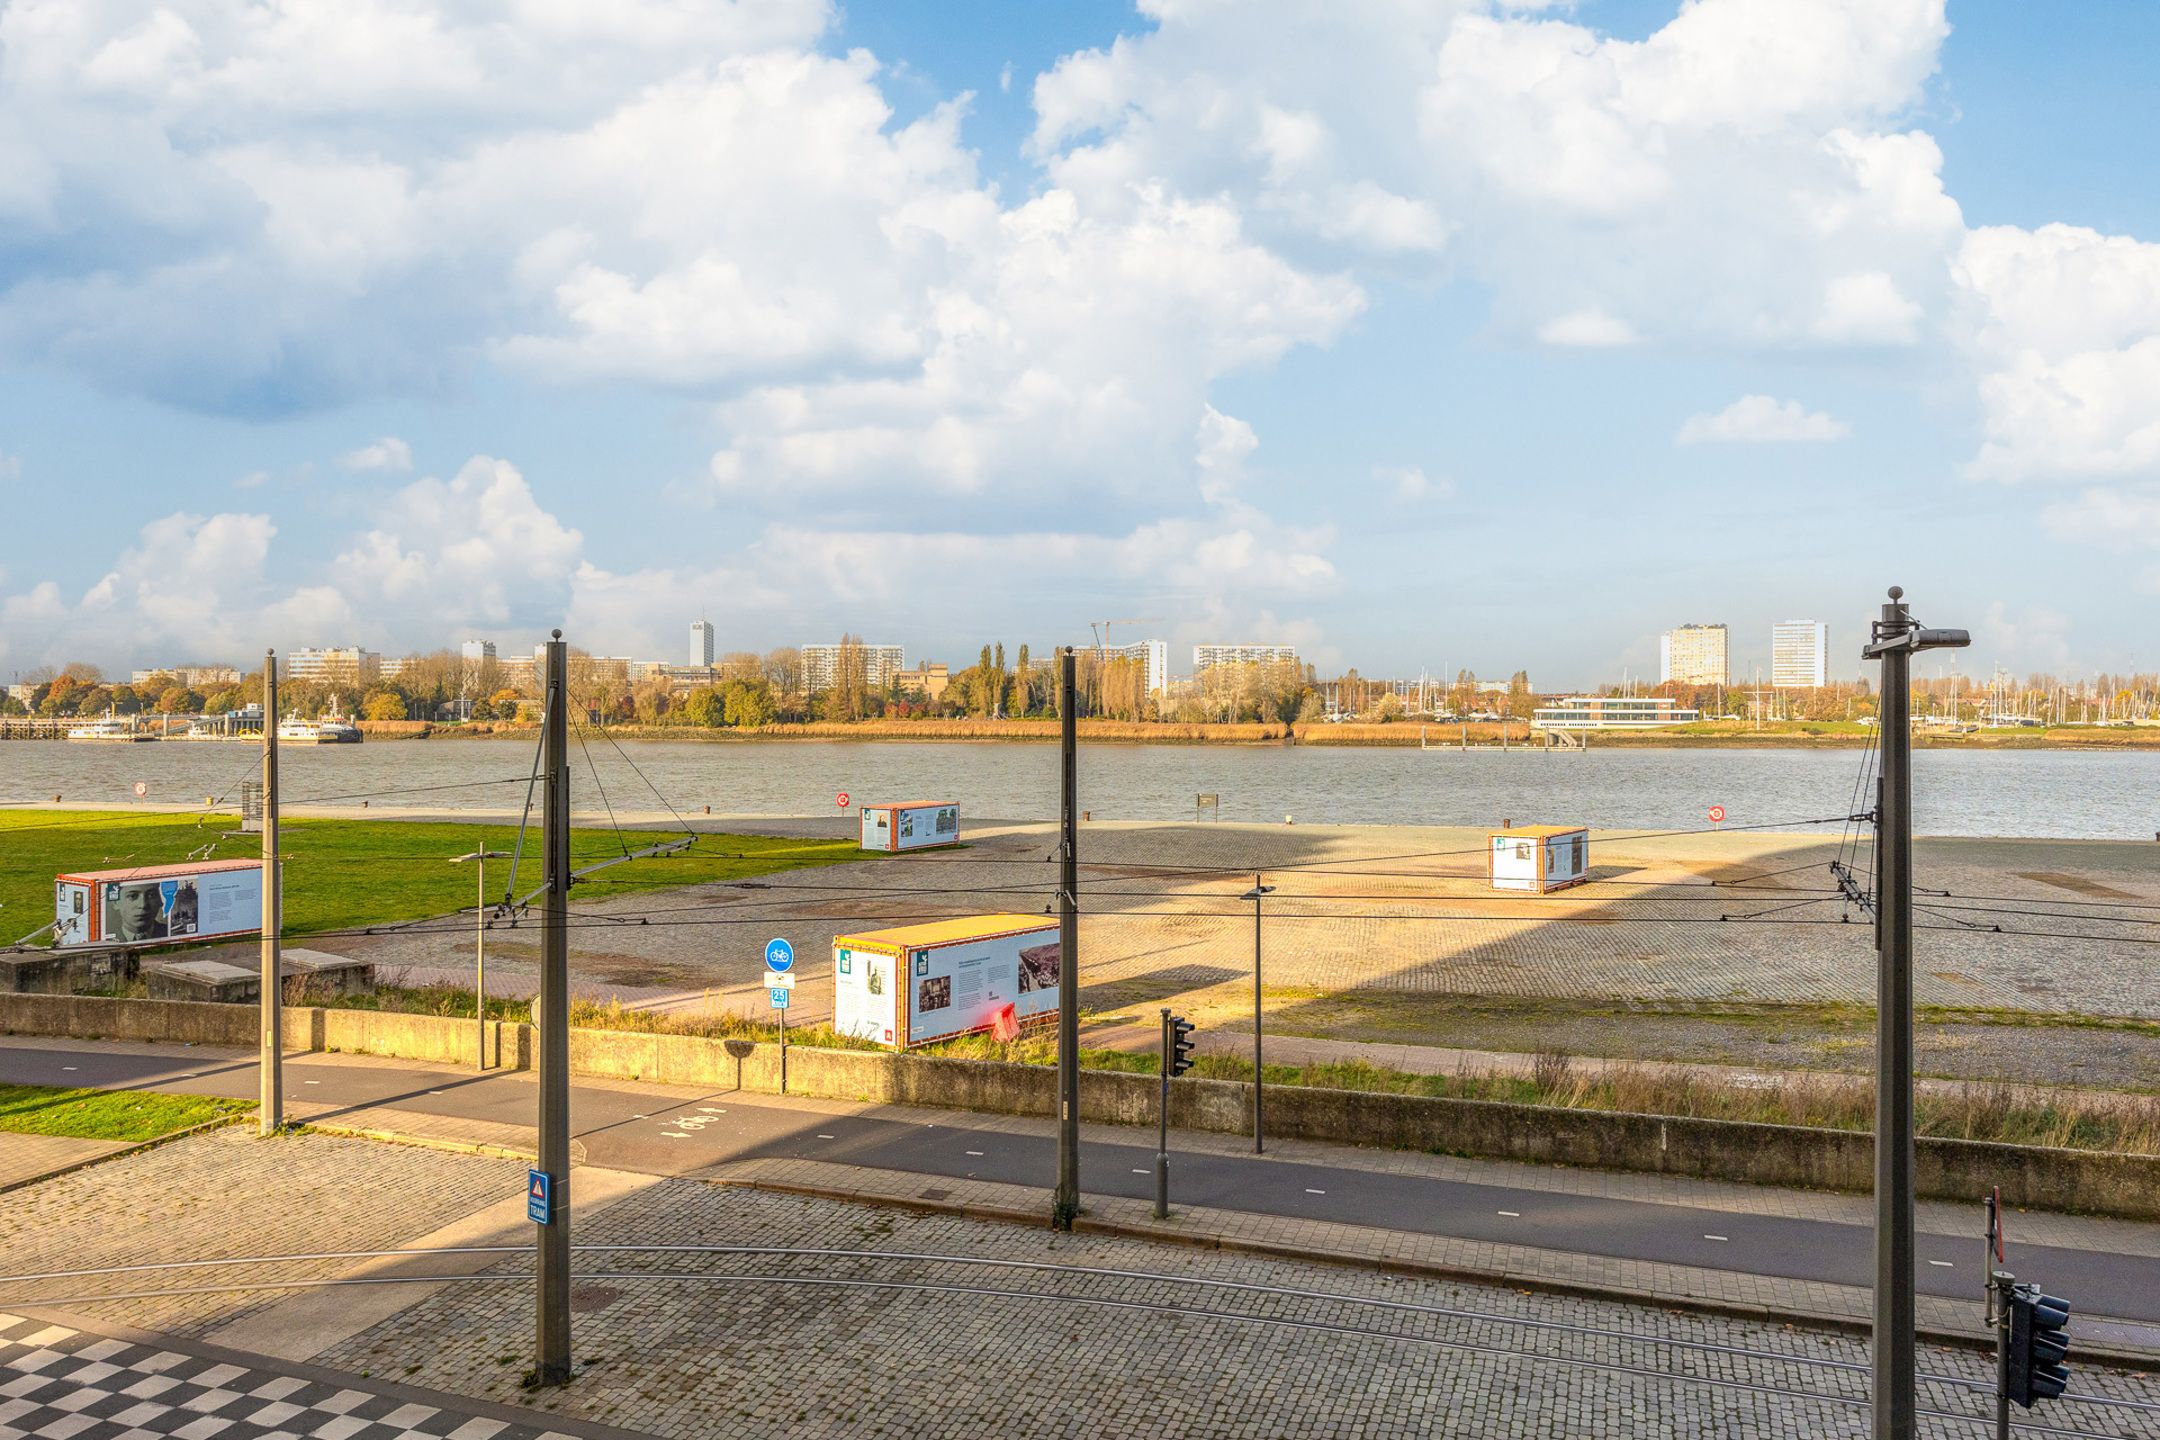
[
  {"x": 712, "y": 1344},
  {"x": 751, "y": 1345},
  {"x": 229, "y": 1193}
]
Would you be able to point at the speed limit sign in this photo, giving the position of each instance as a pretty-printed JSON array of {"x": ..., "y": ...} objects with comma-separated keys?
[
  {"x": 840, "y": 799},
  {"x": 141, "y": 789},
  {"x": 1717, "y": 814}
]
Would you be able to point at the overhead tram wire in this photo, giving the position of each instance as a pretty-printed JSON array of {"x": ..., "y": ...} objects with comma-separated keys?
[
  {"x": 400, "y": 790},
  {"x": 1326, "y": 867},
  {"x": 517, "y": 852},
  {"x": 579, "y": 731},
  {"x": 681, "y": 823},
  {"x": 728, "y": 916}
]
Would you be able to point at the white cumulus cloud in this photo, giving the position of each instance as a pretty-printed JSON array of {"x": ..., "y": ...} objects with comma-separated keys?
[
  {"x": 388, "y": 453},
  {"x": 1760, "y": 419}
]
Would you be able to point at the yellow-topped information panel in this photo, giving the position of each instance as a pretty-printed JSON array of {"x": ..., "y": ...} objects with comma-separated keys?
[{"x": 913, "y": 984}]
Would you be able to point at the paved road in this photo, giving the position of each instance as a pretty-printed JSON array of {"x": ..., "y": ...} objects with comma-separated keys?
[{"x": 677, "y": 1132}]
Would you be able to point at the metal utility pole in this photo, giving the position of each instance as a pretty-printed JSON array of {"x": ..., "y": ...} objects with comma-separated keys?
[
  {"x": 552, "y": 1363},
  {"x": 1254, "y": 894},
  {"x": 478, "y": 860},
  {"x": 1895, "y": 641},
  {"x": 1067, "y": 1202},
  {"x": 270, "y": 1111}
]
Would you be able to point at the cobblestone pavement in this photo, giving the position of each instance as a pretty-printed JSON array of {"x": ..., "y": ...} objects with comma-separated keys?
[
  {"x": 230, "y": 1193},
  {"x": 58, "y": 1382},
  {"x": 957, "y": 1327},
  {"x": 1407, "y": 909},
  {"x": 1193, "y": 1343}
]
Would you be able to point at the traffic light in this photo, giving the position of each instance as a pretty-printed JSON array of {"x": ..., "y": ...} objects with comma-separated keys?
[
  {"x": 1181, "y": 1045},
  {"x": 2038, "y": 1346}
]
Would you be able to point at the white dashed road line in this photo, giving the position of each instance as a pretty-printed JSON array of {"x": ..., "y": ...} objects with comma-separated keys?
[
  {"x": 1719, "y": 1238},
  {"x": 1512, "y": 1214},
  {"x": 1310, "y": 1191},
  {"x": 975, "y": 1152},
  {"x": 1945, "y": 1264}
]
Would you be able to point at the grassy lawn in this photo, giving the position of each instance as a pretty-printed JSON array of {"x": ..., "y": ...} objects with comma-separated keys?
[
  {"x": 126, "y": 1115},
  {"x": 345, "y": 873}
]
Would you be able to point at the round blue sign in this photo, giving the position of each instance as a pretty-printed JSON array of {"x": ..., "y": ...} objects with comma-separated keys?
[{"x": 779, "y": 955}]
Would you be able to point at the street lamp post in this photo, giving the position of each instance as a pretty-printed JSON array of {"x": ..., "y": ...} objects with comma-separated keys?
[
  {"x": 478, "y": 860},
  {"x": 1258, "y": 1140}
]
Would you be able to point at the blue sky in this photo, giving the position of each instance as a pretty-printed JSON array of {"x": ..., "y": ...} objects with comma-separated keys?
[{"x": 1497, "y": 336}]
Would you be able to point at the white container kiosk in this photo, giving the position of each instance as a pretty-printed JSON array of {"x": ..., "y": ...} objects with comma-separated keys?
[
  {"x": 921, "y": 825},
  {"x": 1540, "y": 858},
  {"x": 918, "y": 983},
  {"x": 157, "y": 903}
]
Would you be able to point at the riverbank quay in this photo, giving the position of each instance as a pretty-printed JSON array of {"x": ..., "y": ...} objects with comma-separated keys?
[{"x": 1713, "y": 1248}]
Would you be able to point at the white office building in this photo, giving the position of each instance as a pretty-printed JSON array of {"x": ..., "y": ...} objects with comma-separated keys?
[
  {"x": 1613, "y": 712},
  {"x": 477, "y": 650},
  {"x": 346, "y": 664},
  {"x": 1694, "y": 655},
  {"x": 1799, "y": 654},
  {"x": 701, "y": 642},
  {"x": 1207, "y": 657},
  {"x": 1152, "y": 655},
  {"x": 821, "y": 665}
]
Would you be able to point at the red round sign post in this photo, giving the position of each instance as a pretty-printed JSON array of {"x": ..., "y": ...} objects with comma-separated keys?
[
  {"x": 840, "y": 800},
  {"x": 141, "y": 789},
  {"x": 1717, "y": 814}
]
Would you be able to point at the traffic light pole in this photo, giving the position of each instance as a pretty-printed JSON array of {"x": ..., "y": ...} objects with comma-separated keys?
[
  {"x": 1998, "y": 1312},
  {"x": 552, "y": 1362},
  {"x": 1894, "y": 642},
  {"x": 1066, "y": 1203},
  {"x": 1162, "y": 1124}
]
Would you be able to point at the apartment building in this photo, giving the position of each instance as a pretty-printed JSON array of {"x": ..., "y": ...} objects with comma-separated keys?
[
  {"x": 1694, "y": 655},
  {"x": 1799, "y": 654}
]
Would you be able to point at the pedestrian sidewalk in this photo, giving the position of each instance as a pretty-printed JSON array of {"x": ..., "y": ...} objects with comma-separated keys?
[
  {"x": 62, "y": 1376},
  {"x": 1735, "y": 1292}
]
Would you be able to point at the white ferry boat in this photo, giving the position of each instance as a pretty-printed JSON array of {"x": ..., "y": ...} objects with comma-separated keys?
[
  {"x": 111, "y": 730},
  {"x": 328, "y": 731}
]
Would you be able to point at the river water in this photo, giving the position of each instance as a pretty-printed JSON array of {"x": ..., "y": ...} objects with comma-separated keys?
[{"x": 2003, "y": 793}]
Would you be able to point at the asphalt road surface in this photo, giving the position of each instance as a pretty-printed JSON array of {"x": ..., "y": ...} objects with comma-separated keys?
[{"x": 678, "y": 1131}]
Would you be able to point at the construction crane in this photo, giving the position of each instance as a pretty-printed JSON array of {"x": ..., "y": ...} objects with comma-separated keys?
[{"x": 1102, "y": 629}]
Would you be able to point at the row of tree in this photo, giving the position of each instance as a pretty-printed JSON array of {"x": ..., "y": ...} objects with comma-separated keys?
[{"x": 748, "y": 690}]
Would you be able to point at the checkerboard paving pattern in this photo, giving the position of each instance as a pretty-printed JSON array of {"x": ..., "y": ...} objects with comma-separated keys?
[{"x": 58, "y": 1383}]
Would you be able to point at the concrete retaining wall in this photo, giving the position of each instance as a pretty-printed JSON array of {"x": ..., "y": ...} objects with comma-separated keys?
[{"x": 1792, "y": 1156}]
